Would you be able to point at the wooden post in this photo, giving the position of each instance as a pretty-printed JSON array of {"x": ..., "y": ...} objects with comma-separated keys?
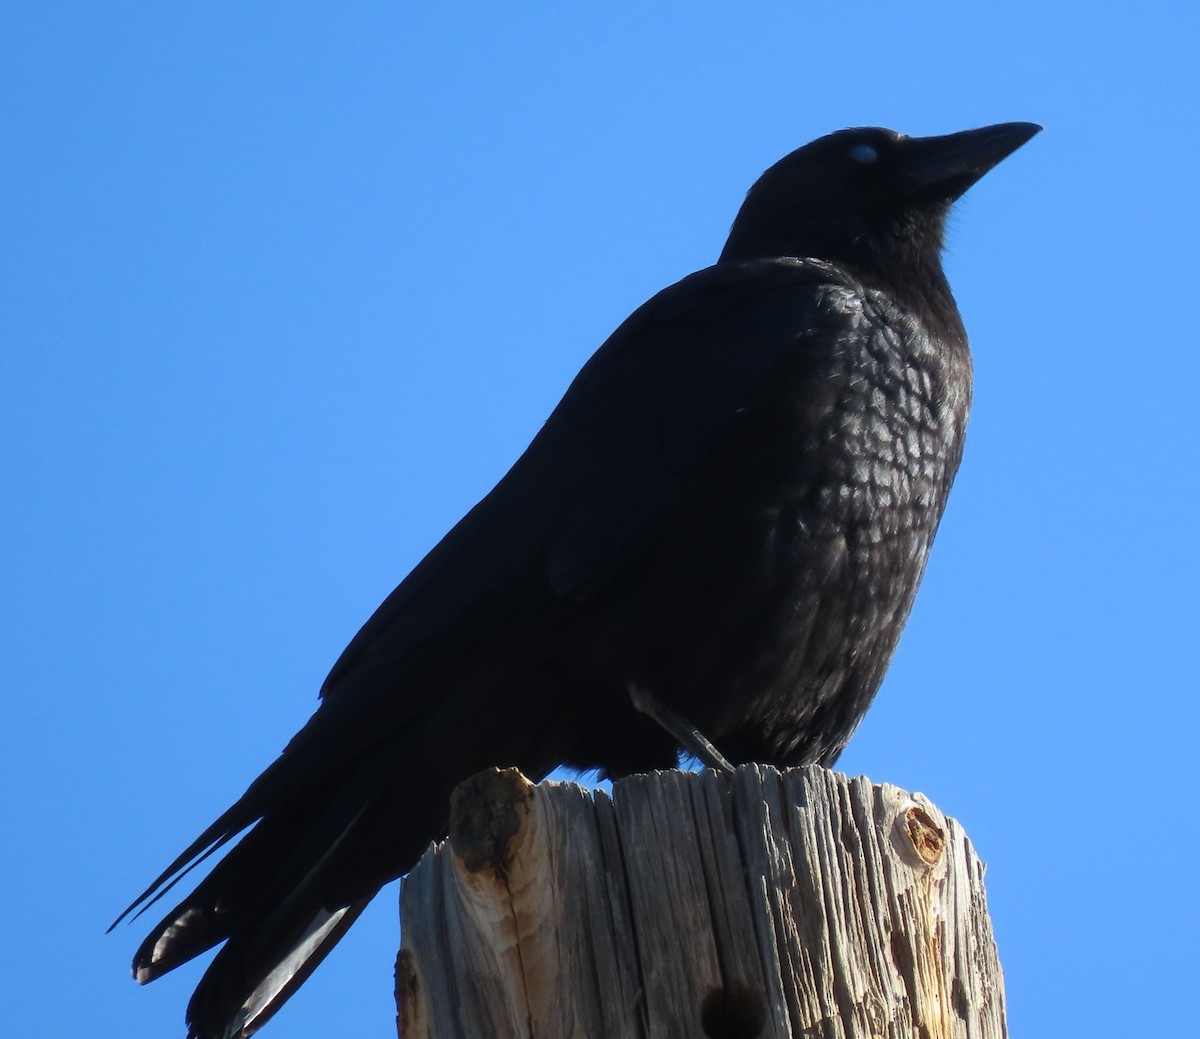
[{"x": 769, "y": 904}]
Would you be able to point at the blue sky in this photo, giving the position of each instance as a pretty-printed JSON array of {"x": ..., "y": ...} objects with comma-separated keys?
[{"x": 286, "y": 287}]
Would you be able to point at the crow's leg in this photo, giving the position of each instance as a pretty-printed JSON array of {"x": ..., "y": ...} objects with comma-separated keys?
[{"x": 684, "y": 732}]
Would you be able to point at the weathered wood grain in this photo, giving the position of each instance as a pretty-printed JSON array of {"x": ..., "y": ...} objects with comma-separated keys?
[{"x": 801, "y": 904}]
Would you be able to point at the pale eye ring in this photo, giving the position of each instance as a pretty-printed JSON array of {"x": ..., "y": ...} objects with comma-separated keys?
[{"x": 864, "y": 153}]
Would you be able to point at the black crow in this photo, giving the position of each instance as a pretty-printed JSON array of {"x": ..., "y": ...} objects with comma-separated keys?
[{"x": 713, "y": 543}]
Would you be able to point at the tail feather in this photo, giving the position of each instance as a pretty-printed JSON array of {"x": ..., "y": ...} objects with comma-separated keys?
[
  {"x": 182, "y": 936},
  {"x": 201, "y": 849},
  {"x": 209, "y": 1016},
  {"x": 267, "y": 901},
  {"x": 278, "y": 939},
  {"x": 273, "y": 900},
  {"x": 272, "y": 790},
  {"x": 284, "y": 894},
  {"x": 212, "y": 912}
]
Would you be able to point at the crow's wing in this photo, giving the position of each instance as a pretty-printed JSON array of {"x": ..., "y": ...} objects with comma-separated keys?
[
  {"x": 592, "y": 487},
  {"x": 592, "y": 490}
]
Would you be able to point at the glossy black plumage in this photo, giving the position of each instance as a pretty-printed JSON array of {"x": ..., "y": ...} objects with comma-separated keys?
[{"x": 731, "y": 508}]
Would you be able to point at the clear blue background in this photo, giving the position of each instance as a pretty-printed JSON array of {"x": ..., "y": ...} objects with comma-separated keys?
[{"x": 286, "y": 287}]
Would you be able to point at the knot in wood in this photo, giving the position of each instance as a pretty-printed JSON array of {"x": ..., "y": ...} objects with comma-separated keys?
[
  {"x": 733, "y": 1012},
  {"x": 928, "y": 839},
  {"x": 487, "y": 812}
]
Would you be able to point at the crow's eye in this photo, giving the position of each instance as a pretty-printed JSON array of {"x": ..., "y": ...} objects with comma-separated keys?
[{"x": 864, "y": 154}]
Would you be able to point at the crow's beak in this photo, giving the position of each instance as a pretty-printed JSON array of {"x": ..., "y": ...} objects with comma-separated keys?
[{"x": 944, "y": 167}]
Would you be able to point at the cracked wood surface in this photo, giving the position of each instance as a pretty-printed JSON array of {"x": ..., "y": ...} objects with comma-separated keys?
[{"x": 770, "y": 904}]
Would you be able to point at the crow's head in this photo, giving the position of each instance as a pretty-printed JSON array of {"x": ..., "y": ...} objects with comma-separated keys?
[{"x": 871, "y": 199}]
